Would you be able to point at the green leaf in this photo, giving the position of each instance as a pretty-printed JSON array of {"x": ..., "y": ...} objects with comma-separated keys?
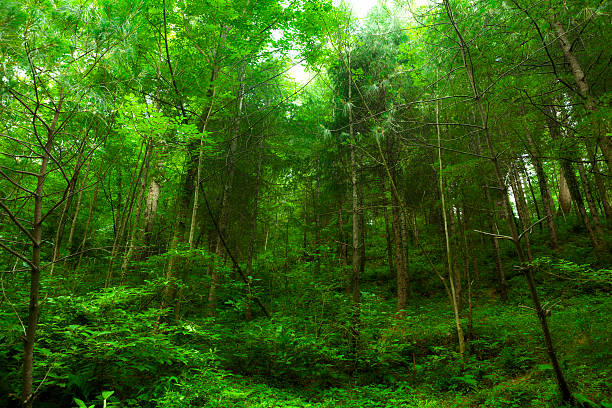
[
  {"x": 106, "y": 394},
  {"x": 544, "y": 367},
  {"x": 80, "y": 403}
]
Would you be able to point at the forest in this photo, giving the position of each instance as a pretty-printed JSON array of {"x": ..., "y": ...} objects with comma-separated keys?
[{"x": 287, "y": 204}]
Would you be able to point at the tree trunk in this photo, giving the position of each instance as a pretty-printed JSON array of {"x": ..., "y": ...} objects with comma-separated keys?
[
  {"x": 343, "y": 247},
  {"x": 590, "y": 202},
  {"x": 581, "y": 82},
  {"x": 388, "y": 238},
  {"x": 356, "y": 236},
  {"x": 547, "y": 201},
  {"x": 523, "y": 174},
  {"x": 449, "y": 259},
  {"x": 468, "y": 276},
  {"x": 567, "y": 155},
  {"x": 519, "y": 199},
  {"x": 402, "y": 284},
  {"x": 565, "y": 198},
  {"x": 601, "y": 185},
  {"x": 502, "y": 284},
  {"x": 192, "y": 175},
  {"x": 222, "y": 222},
  {"x": 139, "y": 201},
  {"x": 77, "y": 209},
  {"x": 249, "y": 265},
  {"x": 62, "y": 221},
  {"x": 151, "y": 212},
  {"x": 453, "y": 224},
  {"x": 37, "y": 226},
  {"x": 317, "y": 211},
  {"x": 404, "y": 233},
  {"x": 525, "y": 263},
  {"x": 574, "y": 189},
  {"x": 125, "y": 215},
  {"x": 88, "y": 223}
]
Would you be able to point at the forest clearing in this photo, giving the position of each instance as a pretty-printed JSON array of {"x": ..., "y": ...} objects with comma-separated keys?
[{"x": 305, "y": 203}]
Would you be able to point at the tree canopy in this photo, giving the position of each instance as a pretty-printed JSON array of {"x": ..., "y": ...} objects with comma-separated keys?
[{"x": 421, "y": 219}]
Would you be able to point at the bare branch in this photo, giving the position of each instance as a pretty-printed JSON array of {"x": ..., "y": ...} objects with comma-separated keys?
[
  {"x": 497, "y": 236},
  {"x": 16, "y": 222},
  {"x": 13, "y": 182},
  {"x": 528, "y": 229},
  {"x": 18, "y": 255}
]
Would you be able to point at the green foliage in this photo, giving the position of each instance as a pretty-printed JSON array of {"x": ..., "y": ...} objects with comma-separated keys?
[
  {"x": 183, "y": 182},
  {"x": 583, "y": 277},
  {"x": 105, "y": 403}
]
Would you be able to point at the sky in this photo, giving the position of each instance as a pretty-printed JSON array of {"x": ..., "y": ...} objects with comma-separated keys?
[
  {"x": 360, "y": 10},
  {"x": 361, "y": 7}
]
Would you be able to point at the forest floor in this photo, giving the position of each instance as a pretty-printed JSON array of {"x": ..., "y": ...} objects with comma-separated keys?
[
  {"x": 506, "y": 365},
  {"x": 112, "y": 340}
]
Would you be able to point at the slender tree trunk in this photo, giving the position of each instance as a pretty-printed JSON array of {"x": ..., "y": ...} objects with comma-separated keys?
[
  {"x": 572, "y": 182},
  {"x": 601, "y": 185},
  {"x": 192, "y": 178},
  {"x": 37, "y": 226},
  {"x": 396, "y": 211},
  {"x": 590, "y": 202},
  {"x": 468, "y": 276},
  {"x": 521, "y": 193},
  {"x": 202, "y": 130},
  {"x": 77, "y": 210},
  {"x": 357, "y": 261},
  {"x": 449, "y": 258},
  {"x": 117, "y": 213},
  {"x": 317, "y": 210},
  {"x": 575, "y": 68},
  {"x": 525, "y": 262},
  {"x": 139, "y": 201},
  {"x": 502, "y": 284},
  {"x": 343, "y": 247},
  {"x": 547, "y": 201},
  {"x": 454, "y": 224},
  {"x": 499, "y": 267},
  {"x": 399, "y": 253},
  {"x": 404, "y": 233},
  {"x": 388, "y": 237},
  {"x": 62, "y": 221},
  {"x": 124, "y": 216},
  {"x": 519, "y": 199},
  {"x": 222, "y": 222},
  {"x": 574, "y": 189},
  {"x": 523, "y": 174},
  {"x": 88, "y": 223},
  {"x": 305, "y": 249},
  {"x": 249, "y": 265}
]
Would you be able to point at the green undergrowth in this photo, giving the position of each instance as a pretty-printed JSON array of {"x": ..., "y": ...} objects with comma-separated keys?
[
  {"x": 120, "y": 340},
  {"x": 218, "y": 389}
]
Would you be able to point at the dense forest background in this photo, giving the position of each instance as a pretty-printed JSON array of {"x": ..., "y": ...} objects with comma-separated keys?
[{"x": 421, "y": 220}]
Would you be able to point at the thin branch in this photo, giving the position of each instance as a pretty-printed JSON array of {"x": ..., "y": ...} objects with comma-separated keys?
[
  {"x": 528, "y": 229},
  {"x": 497, "y": 236},
  {"x": 16, "y": 222},
  {"x": 19, "y": 186},
  {"x": 18, "y": 255}
]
